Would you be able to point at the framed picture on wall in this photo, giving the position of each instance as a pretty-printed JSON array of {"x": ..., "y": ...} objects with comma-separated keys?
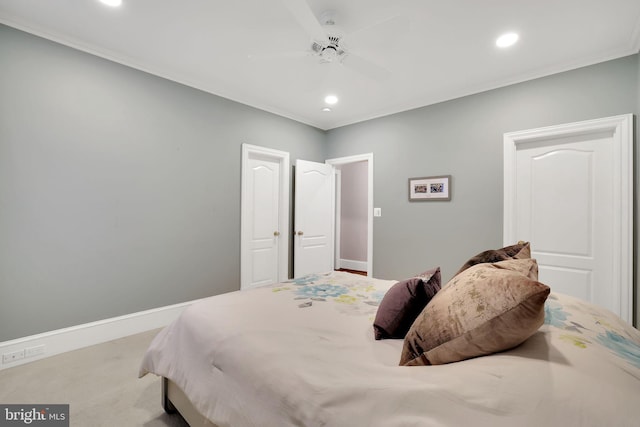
[{"x": 430, "y": 188}]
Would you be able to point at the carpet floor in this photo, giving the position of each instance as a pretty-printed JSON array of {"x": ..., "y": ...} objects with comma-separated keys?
[{"x": 100, "y": 383}]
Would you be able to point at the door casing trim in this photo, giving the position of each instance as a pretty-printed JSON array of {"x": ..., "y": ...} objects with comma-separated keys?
[{"x": 368, "y": 157}]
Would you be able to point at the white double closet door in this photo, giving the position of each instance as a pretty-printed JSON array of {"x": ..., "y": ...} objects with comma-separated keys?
[
  {"x": 265, "y": 217},
  {"x": 568, "y": 190}
]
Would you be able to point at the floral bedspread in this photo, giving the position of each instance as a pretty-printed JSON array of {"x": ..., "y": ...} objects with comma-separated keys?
[
  {"x": 576, "y": 323},
  {"x": 303, "y": 352},
  {"x": 353, "y": 294},
  {"x": 586, "y": 326}
]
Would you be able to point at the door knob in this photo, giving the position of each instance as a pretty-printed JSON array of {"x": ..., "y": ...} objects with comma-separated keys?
[
  {"x": 276, "y": 233},
  {"x": 300, "y": 233}
]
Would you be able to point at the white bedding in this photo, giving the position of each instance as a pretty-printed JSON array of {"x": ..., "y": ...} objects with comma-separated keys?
[{"x": 302, "y": 353}]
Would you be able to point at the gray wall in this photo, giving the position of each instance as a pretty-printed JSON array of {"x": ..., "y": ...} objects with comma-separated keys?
[
  {"x": 463, "y": 137},
  {"x": 119, "y": 191}
]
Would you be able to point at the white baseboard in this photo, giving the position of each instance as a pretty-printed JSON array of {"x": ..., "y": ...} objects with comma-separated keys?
[
  {"x": 353, "y": 265},
  {"x": 75, "y": 337}
]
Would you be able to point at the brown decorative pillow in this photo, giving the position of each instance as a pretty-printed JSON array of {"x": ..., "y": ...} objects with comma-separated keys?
[
  {"x": 403, "y": 302},
  {"x": 485, "y": 309},
  {"x": 518, "y": 251}
]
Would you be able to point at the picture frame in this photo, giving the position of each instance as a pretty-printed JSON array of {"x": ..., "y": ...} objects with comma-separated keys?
[{"x": 430, "y": 188}]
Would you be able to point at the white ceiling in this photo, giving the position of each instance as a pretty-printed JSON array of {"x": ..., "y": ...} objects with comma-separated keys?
[{"x": 433, "y": 50}]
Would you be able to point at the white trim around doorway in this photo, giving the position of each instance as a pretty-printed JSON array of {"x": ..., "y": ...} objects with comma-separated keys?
[{"x": 368, "y": 157}]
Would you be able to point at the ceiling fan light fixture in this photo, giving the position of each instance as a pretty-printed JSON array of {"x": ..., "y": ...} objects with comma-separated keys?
[
  {"x": 506, "y": 40},
  {"x": 331, "y": 99},
  {"x": 329, "y": 53}
]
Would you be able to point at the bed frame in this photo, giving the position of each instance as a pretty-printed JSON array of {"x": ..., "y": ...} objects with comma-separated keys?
[{"x": 175, "y": 401}]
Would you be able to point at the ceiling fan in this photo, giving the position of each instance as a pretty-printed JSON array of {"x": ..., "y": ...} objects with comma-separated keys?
[{"x": 328, "y": 41}]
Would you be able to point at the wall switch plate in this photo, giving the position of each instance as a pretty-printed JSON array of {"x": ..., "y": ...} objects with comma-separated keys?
[
  {"x": 377, "y": 211},
  {"x": 13, "y": 356}
]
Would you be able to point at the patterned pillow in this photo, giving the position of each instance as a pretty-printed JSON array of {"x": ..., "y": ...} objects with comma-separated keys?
[
  {"x": 403, "y": 302},
  {"x": 518, "y": 251},
  {"x": 485, "y": 309}
]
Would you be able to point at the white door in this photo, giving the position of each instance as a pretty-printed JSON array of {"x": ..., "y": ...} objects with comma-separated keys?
[
  {"x": 567, "y": 192},
  {"x": 264, "y": 223},
  {"x": 314, "y": 216}
]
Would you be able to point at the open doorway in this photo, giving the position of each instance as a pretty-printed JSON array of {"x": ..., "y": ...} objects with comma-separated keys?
[{"x": 354, "y": 213}]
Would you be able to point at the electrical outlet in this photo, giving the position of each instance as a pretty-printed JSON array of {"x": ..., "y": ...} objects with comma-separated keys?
[
  {"x": 13, "y": 356},
  {"x": 34, "y": 351}
]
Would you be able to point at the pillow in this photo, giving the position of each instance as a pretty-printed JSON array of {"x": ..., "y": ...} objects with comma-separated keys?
[
  {"x": 485, "y": 309},
  {"x": 403, "y": 302},
  {"x": 518, "y": 251}
]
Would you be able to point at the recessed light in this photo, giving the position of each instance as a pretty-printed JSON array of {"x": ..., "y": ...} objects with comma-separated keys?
[
  {"x": 331, "y": 99},
  {"x": 506, "y": 40},
  {"x": 326, "y": 109},
  {"x": 112, "y": 3}
]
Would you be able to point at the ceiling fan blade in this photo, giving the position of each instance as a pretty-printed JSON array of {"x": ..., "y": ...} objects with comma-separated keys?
[
  {"x": 365, "y": 67},
  {"x": 387, "y": 31},
  {"x": 277, "y": 55},
  {"x": 305, "y": 17}
]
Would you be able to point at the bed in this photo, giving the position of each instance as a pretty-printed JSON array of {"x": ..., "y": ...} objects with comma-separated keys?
[{"x": 305, "y": 353}]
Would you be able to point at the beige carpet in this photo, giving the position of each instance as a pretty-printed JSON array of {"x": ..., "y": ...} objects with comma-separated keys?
[{"x": 100, "y": 383}]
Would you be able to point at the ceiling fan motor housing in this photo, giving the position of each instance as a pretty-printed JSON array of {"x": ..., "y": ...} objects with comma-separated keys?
[{"x": 329, "y": 52}]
